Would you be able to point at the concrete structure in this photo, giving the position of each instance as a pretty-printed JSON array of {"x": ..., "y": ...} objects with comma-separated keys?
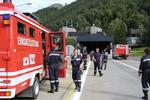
[
  {"x": 93, "y": 29},
  {"x": 133, "y": 39},
  {"x": 77, "y": 34},
  {"x": 68, "y": 29},
  {"x": 69, "y": 50}
]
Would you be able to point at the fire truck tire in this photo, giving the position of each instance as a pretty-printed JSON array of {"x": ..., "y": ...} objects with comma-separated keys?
[{"x": 35, "y": 88}]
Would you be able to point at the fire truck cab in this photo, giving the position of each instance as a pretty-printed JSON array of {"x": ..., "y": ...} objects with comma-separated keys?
[
  {"x": 24, "y": 46},
  {"x": 120, "y": 50}
]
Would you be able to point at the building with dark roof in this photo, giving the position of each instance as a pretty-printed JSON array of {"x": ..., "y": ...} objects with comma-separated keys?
[
  {"x": 98, "y": 37},
  {"x": 133, "y": 38},
  {"x": 92, "y": 38},
  {"x": 92, "y": 41}
]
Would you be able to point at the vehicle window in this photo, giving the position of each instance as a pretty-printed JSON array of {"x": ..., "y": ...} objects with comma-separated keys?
[
  {"x": 21, "y": 28},
  {"x": 32, "y": 32}
]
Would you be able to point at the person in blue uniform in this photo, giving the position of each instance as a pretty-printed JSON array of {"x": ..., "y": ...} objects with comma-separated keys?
[
  {"x": 76, "y": 62},
  {"x": 144, "y": 70},
  {"x": 97, "y": 60},
  {"x": 54, "y": 59},
  {"x": 84, "y": 53}
]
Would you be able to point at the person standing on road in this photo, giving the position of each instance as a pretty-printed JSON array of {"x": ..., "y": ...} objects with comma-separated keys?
[
  {"x": 144, "y": 70},
  {"x": 76, "y": 62},
  {"x": 54, "y": 60},
  {"x": 97, "y": 60},
  {"x": 104, "y": 59},
  {"x": 91, "y": 55},
  {"x": 84, "y": 53}
]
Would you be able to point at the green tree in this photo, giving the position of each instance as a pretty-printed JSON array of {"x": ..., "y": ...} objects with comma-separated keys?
[
  {"x": 98, "y": 23},
  {"x": 145, "y": 36},
  {"x": 71, "y": 41},
  {"x": 102, "y": 13},
  {"x": 135, "y": 20},
  {"x": 80, "y": 22},
  {"x": 118, "y": 29}
]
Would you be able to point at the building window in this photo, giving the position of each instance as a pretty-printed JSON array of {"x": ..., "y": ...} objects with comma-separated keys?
[
  {"x": 21, "y": 28},
  {"x": 32, "y": 32}
]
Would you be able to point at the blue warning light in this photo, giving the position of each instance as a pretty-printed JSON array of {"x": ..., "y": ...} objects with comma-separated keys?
[{"x": 6, "y": 16}]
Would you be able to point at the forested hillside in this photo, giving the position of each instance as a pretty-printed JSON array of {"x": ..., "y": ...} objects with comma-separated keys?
[{"x": 115, "y": 17}]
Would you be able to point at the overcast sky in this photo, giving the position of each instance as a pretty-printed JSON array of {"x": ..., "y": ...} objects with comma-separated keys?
[{"x": 37, "y": 4}]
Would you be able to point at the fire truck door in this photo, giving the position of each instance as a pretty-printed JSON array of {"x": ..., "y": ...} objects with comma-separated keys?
[
  {"x": 44, "y": 48},
  {"x": 58, "y": 39}
]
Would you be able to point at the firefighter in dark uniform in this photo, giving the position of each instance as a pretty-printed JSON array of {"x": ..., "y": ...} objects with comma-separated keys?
[
  {"x": 144, "y": 70},
  {"x": 104, "y": 59},
  {"x": 54, "y": 59},
  {"x": 84, "y": 53},
  {"x": 97, "y": 60},
  {"x": 76, "y": 61}
]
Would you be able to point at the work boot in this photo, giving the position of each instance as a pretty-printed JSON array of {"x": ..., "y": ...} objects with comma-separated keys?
[
  {"x": 79, "y": 89},
  {"x": 79, "y": 86},
  {"x": 76, "y": 85},
  {"x": 52, "y": 88},
  {"x": 145, "y": 97},
  {"x": 57, "y": 86},
  {"x": 100, "y": 73},
  {"x": 105, "y": 67},
  {"x": 76, "y": 88},
  {"x": 56, "y": 89},
  {"x": 51, "y": 91},
  {"x": 94, "y": 73}
]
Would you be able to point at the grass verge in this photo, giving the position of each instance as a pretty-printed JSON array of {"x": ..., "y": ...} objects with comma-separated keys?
[{"x": 137, "y": 51}]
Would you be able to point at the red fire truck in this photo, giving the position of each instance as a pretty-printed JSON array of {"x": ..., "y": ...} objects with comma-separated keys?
[
  {"x": 24, "y": 46},
  {"x": 120, "y": 50}
]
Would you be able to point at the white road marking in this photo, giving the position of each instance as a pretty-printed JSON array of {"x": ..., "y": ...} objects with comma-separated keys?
[
  {"x": 126, "y": 65},
  {"x": 77, "y": 95}
]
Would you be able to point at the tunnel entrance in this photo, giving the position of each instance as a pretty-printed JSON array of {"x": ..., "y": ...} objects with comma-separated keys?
[
  {"x": 93, "y": 45},
  {"x": 94, "y": 41}
]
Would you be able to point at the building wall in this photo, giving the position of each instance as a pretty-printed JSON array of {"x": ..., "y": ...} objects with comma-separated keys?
[{"x": 68, "y": 29}]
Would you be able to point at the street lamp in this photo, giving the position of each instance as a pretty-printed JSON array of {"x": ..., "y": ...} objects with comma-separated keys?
[{"x": 23, "y": 4}]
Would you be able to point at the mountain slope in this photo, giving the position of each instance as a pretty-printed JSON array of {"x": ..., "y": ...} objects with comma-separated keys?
[{"x": 82, "y": 13}]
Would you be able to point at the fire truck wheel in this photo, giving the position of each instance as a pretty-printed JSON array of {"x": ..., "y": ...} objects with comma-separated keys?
[{"x": 35, "y": 88}]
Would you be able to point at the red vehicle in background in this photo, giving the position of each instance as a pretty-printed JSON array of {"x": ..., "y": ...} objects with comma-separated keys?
[
  {"x": 120, "y": 50},
  {"x": 24, "y": 47}
]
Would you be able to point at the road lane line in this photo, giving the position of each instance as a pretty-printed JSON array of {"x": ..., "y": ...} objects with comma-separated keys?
[
  {"x": 71, "y": 94},
  {"x": 77, "y": 95},
  {"x": 126, "y": 65}
]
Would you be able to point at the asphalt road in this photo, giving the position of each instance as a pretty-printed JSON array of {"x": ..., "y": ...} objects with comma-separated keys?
[{"x": 120, "y": 81}]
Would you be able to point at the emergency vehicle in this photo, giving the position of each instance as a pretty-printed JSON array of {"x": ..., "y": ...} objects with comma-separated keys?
[
  {"x": 24, "y": 46},
  {"x": 120, "y": 50}
]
